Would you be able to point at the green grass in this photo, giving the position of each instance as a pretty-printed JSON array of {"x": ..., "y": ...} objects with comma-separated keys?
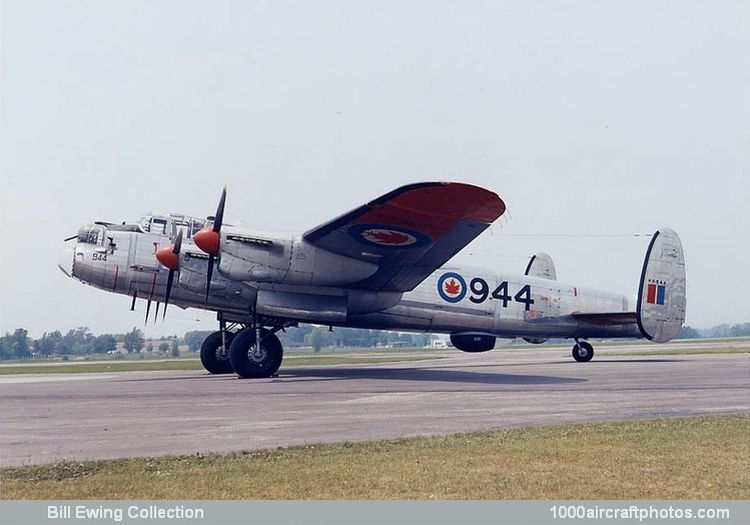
[
  {"x": 97, "y": 358},
  {"x": 342, "y": 360},
  {"x": 684, "y": 351},
  {"x": 685, "y": 458},
  {"x": 107, "y": 366},
  {"x": 188, "y": 364},
  {"x": 359, "y": 350}
]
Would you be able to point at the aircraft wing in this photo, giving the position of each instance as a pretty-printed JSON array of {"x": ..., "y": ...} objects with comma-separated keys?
[{"x": 411, "y": 231}]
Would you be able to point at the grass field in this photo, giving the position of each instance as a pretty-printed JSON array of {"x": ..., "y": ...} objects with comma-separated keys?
[
  {"x": 685, "y": 458},
  {"x": 155, "y": 357},
  {"x": 686, "y": 351},
  {"x": 190, "y": 364}
]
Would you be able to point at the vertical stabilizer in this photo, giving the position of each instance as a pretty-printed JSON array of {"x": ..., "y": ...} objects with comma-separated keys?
[
  {"x": 661, "y": 294},
  {"x": 541, "y": 265}
]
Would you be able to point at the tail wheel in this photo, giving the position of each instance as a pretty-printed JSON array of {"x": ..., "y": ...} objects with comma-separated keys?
[
  {"x": 583, "y": 352},
  {"x": 251, "y": 362},
  {"x": 215, "y": 357}
]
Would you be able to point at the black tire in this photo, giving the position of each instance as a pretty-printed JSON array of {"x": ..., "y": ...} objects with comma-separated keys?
[
  {"x": 248, "y": 365},
  {"x": 212, "y": 358},
  {"x": 583, "y": 352}
]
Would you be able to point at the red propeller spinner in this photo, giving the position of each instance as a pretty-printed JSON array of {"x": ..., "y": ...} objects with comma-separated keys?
[
  {"x": 168, "y": 257},
  {"x": 207, "y": 240}
]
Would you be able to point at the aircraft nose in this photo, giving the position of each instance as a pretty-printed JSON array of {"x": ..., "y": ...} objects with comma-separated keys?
[{"x": 65, "y": 261}]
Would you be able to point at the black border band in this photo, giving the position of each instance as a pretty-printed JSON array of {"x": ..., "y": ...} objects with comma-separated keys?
[{"x": 640, "y": 288}]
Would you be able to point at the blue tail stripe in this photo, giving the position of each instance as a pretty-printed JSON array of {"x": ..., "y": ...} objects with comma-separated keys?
[{"x": 660, "y": 292}]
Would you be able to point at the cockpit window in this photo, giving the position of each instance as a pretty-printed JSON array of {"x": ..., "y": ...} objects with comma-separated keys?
[
  {"x": 159, "y": 226},
  {"x": 170, "y": 225},
  {"x": 91, "y": 235}
]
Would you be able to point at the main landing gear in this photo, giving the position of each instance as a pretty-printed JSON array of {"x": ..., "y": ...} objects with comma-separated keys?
[
  {"x": 583, "y": 351},
  {"x": 215, "y": 353},
  {"x": 224, "y": 351},
  {"x": 250, "y": 360}
]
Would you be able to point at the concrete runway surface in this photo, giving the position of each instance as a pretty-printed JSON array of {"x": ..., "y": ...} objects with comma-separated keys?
[{"x": 44, "y": 418}]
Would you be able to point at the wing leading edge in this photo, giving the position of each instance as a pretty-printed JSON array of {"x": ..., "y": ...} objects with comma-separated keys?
[{"x": 411, "y": 231}]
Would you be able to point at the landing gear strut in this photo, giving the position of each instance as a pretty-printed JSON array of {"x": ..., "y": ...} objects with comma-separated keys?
[{"x": 583, "y": 351}]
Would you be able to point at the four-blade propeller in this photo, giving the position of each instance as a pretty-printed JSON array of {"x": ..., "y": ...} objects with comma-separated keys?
[
  {"x": 208, "y": 240},
  {"x": 169, "y": 256}
]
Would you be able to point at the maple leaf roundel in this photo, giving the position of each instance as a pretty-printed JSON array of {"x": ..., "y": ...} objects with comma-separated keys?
[
  {"x": 451, "y": 287},
  {"x": 387, "y": 236}
]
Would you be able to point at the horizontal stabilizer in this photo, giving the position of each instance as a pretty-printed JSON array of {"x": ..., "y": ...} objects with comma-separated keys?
[
  {"x": 541, "y": 265},
  {"x": 606, "y": 318},
  {"x": 661, "y": 294}
]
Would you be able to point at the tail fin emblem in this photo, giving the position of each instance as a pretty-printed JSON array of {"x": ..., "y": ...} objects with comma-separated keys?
[{"x": 656, "y": 292}]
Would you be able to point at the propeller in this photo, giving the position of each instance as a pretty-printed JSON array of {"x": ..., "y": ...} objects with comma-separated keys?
[
  {"x": 208, "y": 240},
  {"x": 71, "y": 238},
  {"x": 169, "y": 256}
]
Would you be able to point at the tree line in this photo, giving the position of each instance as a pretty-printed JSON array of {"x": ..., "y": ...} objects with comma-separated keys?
[
  {"x": 318, "y": 337},
  {"x": 81, "y": 342},
  {"x": 721, "y": 330},
  {"x": 77, "y": 342}
]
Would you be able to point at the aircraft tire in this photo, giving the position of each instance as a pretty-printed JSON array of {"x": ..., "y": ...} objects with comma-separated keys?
[
  {"x": 583, "y": 352},
  {"x": 248, "y": 364},
  {"x": 211, "y": 358}
]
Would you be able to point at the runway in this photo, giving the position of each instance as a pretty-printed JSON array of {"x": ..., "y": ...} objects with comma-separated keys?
[{"x": 45, "y": 418}]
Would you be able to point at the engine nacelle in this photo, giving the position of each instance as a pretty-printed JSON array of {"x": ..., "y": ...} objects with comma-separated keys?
[{"x": 473, "y": 342}]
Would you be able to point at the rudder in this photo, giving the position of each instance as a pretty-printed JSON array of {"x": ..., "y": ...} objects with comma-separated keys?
[{"x": 661, "y": 294}]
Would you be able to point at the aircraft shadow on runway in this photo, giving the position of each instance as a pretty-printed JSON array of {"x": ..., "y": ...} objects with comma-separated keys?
[
  {"x": 437, "y": 374},
  {"x": 639, "y": 360},
  {"x": 423, "y": 374},
  {"x": 566, "y": 362}
]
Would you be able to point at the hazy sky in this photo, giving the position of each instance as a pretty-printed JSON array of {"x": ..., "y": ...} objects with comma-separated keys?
[{"x": 587, "y": 118}]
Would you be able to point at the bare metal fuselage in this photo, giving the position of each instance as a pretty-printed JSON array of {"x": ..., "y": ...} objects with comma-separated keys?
[{"x": 292, "y": 280}]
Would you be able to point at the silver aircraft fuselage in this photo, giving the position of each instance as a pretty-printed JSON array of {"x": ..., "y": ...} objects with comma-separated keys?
[{"x": 290, "y": 279}]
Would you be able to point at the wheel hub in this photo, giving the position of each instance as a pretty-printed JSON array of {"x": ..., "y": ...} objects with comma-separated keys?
[
  {"x": 221, "y": 352},
  {"x": 257, "y": 354}
]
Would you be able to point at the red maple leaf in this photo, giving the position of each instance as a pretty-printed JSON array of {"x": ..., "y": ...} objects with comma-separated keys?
[
  {"x": 452, "y": 287},
  {"x": 388, "y": 237}
]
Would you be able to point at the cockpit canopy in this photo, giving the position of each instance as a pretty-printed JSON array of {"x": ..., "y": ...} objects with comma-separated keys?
[
  {"x": 169, "y": 225},
  {"x": 92, "y": 234}
]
